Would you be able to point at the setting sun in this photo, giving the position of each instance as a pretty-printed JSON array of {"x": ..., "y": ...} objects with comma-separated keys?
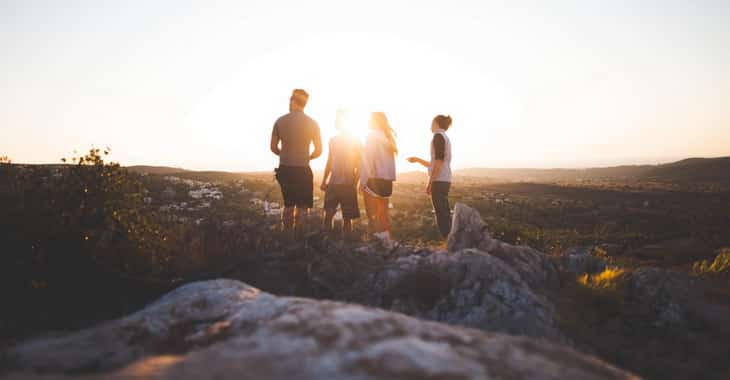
[
  {"x": 382, "y": 189},
  {"x": 528, "y": 89}
]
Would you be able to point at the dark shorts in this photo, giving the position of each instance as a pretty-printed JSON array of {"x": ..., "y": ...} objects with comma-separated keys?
[
  {"x": 297, "y": 186},
  {"x": 344, "y": 196},
  {"x": 381, "y": 187}
]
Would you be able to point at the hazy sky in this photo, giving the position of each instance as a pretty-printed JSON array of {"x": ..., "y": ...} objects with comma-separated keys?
[{"x": 199, "y": 84}]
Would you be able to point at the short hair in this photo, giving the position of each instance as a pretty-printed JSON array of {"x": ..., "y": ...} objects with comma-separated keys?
[
  {"x": 444, "y": 122},
  {"x": 300, "y": 97}
]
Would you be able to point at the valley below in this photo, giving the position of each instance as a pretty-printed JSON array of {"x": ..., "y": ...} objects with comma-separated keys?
[{"x": 597, "y": 278}]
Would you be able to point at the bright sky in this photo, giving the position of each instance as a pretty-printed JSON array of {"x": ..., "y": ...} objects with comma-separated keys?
[{"x": 199, "y": 84}]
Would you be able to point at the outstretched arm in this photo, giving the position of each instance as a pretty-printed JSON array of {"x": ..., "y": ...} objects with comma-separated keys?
[{"x": 416, "y": 160}]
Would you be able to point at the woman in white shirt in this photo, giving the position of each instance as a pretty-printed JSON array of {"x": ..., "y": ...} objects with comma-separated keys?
[
  {"x": 377, "y": 174},
  {"x": 439, "y": 172}
]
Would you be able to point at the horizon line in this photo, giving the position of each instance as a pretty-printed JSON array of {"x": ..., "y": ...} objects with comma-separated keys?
[{"x": 181, "y": 168}]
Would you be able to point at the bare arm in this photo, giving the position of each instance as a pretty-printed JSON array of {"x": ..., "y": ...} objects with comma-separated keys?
[
  {"x": 327, "y": 171},
  {"x": 356, "y": 171},
  {"x": 437, "y": 164},
  {"x": 317, "y": 140},
  {"x": 275, "y": 141},
  {"x": 416, "y": 160},
  {"x": 435, "y": 170},
  {"x": 364, "y": 168}
]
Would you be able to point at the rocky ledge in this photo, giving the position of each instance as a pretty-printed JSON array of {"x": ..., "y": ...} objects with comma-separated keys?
[
  {"x": 225, "y": 329},
  {"x": 480, "y": 283}
]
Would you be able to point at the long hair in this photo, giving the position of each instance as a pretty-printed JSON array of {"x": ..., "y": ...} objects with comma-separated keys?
[{"x": 379, "y": 121}]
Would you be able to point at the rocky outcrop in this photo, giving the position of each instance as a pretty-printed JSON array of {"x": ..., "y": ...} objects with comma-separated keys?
[
  {"x": 481, "y": 283},
  {"x": 468, "y": 288},
  {"x": 224, "y": 329},
  {"x": 659, "y": 297},
  {"x": 470, "y": 231}
]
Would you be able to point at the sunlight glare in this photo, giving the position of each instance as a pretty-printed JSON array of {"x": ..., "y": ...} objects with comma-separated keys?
[{"x": 355, "y": 123}]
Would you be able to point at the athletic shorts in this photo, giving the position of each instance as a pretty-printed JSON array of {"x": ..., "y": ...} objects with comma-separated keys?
[
  {"x": 379, "y": 187},
  {"x": 297, "y": 185},
  {"x": 344, "y": 196}
]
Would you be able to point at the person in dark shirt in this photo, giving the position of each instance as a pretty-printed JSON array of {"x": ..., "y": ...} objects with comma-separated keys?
[
  {"x": 439, "y": 172},
  {"x": 291, "y": 138}
]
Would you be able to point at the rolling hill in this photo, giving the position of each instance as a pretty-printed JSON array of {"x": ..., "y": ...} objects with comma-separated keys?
[{"x": 691, "y": 169}]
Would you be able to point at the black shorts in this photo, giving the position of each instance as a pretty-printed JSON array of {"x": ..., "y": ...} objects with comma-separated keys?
[
  {"x": 381, "y": 187},
  {"x": 297, "y": 185},
  {"x": 344, "y": 196}
]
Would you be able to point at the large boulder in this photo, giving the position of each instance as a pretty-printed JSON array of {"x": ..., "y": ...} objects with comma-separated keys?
[
  {"x": 224, "y": 329},
  {"x": 480, "y": 282},
  {"x": 470, "y": 231},
  {"x": 468, "y": 288}
]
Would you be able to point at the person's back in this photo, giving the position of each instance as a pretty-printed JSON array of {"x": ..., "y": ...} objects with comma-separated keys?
[
  {"x": 343, "y": 164},
  {"x": 377, "y": 173},
  {"x": 345, "y": 152},
  {"x": 378, "y": 158},
  {"x": 291, "y": 138},
  {"x": 297, "y": 132}
]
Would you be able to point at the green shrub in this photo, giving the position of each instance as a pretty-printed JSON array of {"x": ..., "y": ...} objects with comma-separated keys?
[{"x": 70, "y": 234}]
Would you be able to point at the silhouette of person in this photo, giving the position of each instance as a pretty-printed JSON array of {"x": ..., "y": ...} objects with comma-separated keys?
[
  {"x": 377, "y": 174},
  {"x": 439, "y": 172},
  {"x": 343, "y": 164},
  {"x": 291, "y": 139}
]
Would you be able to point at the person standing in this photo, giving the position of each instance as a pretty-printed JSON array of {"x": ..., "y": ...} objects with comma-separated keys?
[
  {"x": 343, "y": 163},
  {"x": 291, "y": 139},
  {"x": 377, "y": 174},
  {"x": 439, "y": 172}
]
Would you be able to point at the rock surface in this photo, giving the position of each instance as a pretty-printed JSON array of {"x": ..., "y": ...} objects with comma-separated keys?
[
  {"x": 470, "y": 231},
  {"x": 580, "y": 260},
  {"x": 224, "y": 329},
  {"x": 659, "y": 297},
  {"x": 468, "y": 288},
  {"x": 481, "y": 283}
]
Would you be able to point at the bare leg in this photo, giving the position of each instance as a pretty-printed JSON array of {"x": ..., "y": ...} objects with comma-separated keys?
[
  {"x": 301, "y": 219},
  {"x": 383, "y": 216},
  {"x": 327, "y": 222},
  {"x": 371, "y": 209},
  {"x": 287, "y": 218},
  {"x": 347, "y": 225}
]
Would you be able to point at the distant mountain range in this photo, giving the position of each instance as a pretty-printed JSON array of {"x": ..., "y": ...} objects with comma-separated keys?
[
  {"x": 688, "y": 170},
  {"x": 691, "y": 169}
]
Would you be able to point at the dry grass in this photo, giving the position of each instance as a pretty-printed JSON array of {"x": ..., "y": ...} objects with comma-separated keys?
[
  {"x": 606, "y": 280},
  {"x": 719, "y": 266}
]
